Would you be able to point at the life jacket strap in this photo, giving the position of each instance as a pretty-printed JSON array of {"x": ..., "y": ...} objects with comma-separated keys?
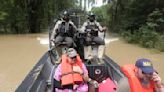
[{"x": 68, "y": 73}]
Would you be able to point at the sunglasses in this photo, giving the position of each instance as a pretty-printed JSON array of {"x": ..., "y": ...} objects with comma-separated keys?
[
  {"x": 73, "y": 57},
  {"x": 147, "y": 73}
]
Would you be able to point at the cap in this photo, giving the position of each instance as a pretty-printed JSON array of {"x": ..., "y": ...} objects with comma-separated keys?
[
  {"x": 71, "y": 52},
  {"x": 145, "y": 65}
]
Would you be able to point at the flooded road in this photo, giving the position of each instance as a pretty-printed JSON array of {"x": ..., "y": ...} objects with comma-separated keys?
[{"x": 19, "y": 53}]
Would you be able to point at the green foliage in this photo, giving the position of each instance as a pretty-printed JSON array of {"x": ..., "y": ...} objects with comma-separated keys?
[
  {"x": 145, "y": 36},
  {"x": 156, "y": 20},
  {"x": 2, "y": 15},
  {"x": 127, "y": 36},
  {"x": 24, "y": 16},
  {"x": 131, "y": 38},
  {"x": 148, "y": 37},
  {"x": 139, "y": 21},
  {"x": 160, "y": 44},
  {"x": 102, "y": 14}
]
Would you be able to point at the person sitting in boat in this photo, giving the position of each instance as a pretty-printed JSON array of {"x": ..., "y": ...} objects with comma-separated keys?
[
  {"x": 92, "y": 28},
  {"x": 72, "y": 73},
  {"x": 64, "y": 30},
  {"x": 142, "y": 77},
  {"x": 92, "y": 25}
]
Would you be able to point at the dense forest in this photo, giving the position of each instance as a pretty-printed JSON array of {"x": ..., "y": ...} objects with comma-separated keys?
[
  {"x": 30, "y": 16},
  {"x": 34, "y": 16},
  {"x": 137, "y": 21}
]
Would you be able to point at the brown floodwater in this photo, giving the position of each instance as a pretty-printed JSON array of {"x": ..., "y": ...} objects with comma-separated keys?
[
  {"x": 19, "y": 53},
  {"x": 124, "y": 53}
]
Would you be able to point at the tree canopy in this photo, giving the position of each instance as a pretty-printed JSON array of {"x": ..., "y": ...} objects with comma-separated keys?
[
  {"x": 30, "y": 16},
  {"x": 138, "y": 21}
]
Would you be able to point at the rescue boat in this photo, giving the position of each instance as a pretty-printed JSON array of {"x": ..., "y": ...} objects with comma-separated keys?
[{"x": 40, "y": 79}]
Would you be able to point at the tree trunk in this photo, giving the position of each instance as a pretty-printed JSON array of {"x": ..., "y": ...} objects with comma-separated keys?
[
  {"x": 81, "y": 4},
  {"x": 85, "y": 5}
]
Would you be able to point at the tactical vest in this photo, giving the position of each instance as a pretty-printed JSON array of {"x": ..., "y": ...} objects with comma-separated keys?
[
  {"x": 66, "y": 30},
  {"x": 93, "y": 29}
]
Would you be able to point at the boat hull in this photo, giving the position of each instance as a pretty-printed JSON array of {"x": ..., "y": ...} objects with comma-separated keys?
[{"x": 40, "y": 77}]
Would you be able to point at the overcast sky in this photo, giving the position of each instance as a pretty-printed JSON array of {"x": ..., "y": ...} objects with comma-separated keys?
[{"x": 97, "y": 4}]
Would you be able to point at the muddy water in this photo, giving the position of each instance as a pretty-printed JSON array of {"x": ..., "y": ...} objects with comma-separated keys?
[
  {"x": 19, "y": 53},
  {"x": 124, "y": 53}
]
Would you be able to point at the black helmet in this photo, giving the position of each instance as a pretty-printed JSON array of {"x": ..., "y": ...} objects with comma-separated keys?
[
  {"x": 65, "y": 16},
  {"x": 91, "y": 17}
]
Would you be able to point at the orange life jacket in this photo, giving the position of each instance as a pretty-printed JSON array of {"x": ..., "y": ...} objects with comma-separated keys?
[
  {"x": 135, "y": 84},
  {"x": 68, "y": 76}
]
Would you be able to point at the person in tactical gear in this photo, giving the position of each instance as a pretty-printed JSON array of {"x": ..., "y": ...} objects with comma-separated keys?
[
  {"x": 92, "y": 25},
  {"x": 64, "y": 30},
  {"x": 92, "y": 28}
]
